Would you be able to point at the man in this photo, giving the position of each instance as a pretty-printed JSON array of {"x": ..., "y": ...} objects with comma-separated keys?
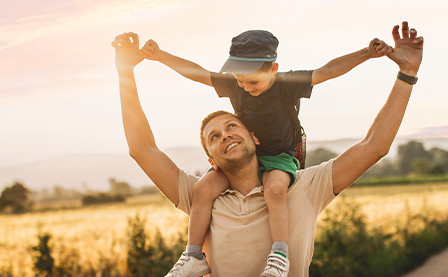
[{"x": 239, "y": 237}]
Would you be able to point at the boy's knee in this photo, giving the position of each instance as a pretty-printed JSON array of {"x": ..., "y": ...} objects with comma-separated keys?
[
  {"x": 276, "y": 189},
  {"x": 204, "y": 191}
]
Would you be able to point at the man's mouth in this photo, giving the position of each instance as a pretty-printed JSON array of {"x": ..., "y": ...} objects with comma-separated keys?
[{"x": 232, "y": 145}]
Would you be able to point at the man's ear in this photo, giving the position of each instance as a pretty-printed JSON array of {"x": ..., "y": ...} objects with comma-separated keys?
[
  {"x": 212, "y": 163},
  {"x": 257, "y": 142}
]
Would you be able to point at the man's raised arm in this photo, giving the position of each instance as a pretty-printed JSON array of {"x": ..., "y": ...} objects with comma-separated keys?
[
  {"x": 351, "y": 164},
  {"x": 142, "y": 146}
]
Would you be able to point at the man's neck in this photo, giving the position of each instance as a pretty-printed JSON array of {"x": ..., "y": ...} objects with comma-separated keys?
[{"x": 245, "y": 179}]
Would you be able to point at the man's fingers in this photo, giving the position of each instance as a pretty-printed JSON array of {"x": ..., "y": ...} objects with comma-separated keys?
[
  {"x": 413, "y": 33},
  {"x": 405, "y": 29},
  {"x": 395, "y": 33},
  {"x": 133, "y": 38},
  {"x": 418, "y": 40}
]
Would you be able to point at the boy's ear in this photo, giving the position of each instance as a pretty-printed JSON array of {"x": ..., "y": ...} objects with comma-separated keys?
[
  {"x": 257, "y": 142},
  {"x": 212, "y": 163},
  {"x": 274, "y": 68}
]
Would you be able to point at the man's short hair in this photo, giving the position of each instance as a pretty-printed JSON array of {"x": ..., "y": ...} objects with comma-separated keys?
[{"x": 207, "y": 119}]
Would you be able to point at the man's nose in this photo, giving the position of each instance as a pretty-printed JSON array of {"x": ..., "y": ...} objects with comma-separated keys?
[{"x": 226, "y": 135}]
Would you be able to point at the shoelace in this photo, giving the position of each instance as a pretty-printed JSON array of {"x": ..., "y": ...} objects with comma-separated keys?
[
  {"x": 276, "y": 261},
  {"x": 180, "y": 263}
]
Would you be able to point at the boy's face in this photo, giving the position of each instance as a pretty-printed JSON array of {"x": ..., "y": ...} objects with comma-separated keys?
[{"x": 258, "y": 82}]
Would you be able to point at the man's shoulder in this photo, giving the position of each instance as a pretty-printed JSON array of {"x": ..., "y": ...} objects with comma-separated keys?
[{"x": 322, "y": 173}]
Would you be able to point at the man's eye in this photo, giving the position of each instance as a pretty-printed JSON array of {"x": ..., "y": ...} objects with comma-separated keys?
[{"x": 232, "y": 125}]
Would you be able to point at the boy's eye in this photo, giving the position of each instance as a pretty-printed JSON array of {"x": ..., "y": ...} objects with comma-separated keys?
[{"x": 253, "y": 83}]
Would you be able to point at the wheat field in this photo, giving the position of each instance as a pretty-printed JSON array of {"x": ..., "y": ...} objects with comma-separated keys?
[{"x": 98, "y": 232}]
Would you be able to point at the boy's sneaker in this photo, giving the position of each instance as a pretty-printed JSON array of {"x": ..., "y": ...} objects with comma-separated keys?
[
  {"x": 188, "y": 266},
  {"x": 278, "y": 265}
]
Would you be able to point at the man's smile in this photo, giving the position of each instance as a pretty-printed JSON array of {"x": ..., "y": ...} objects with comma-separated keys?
[{"x": 231, "y": 146}]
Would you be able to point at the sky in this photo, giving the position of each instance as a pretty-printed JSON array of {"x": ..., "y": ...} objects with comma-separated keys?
[{"x": 59, "y": 87}]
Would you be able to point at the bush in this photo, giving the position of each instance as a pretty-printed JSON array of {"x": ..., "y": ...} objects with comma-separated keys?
[
  {"x": 150, "y": 256},
  {"x": 43, "y": 260},
  {"x": 102, "y": 198},
  {"x": 346, "y": 247}
]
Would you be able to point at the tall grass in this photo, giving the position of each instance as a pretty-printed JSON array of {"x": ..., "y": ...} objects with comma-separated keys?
[{"x": 391, "y": 228}]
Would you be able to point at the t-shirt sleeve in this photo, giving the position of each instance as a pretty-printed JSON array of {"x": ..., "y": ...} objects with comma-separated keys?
[
  {"x": 318, "y": 185},
  {"x": 299, "y": 83},
  {"x": 186, "y": 182},
  {"x": 224, "y": 84}
]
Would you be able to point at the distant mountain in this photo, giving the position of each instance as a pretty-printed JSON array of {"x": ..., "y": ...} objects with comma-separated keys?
[
  {"x": 429, "y": 132},
  {"x": 94, "y": 170},
  {"x": 340, "y": 145}
]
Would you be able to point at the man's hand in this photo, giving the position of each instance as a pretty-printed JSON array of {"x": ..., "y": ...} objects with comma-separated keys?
[
  {"x": 408, "y": 49},
  {"x": 151, "y": 50},
  {"x": 127, "y": 52},
  {"x": 378, "y": 48}
]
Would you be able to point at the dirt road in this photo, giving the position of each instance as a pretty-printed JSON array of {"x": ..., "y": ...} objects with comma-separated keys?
[{"x": 435, "y": 266}]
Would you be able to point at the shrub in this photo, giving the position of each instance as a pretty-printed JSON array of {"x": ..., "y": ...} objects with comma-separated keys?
[
  {"x": 346, "y": 247},
  {"x": 43, "y": 260},
  {"x": 150, "y": 256},
  {"x": 101, "y": 198}
]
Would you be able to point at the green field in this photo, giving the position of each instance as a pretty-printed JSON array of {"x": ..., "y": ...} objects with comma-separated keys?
[{"x": 97, "y": 233}]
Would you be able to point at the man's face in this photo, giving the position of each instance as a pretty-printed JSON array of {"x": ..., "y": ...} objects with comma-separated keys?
[
  {"x": 258, "y": 82},
  {"x": 228, "y": 142}
]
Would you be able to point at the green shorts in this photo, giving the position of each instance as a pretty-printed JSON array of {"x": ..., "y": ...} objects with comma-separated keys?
[{"x": 283, "y": 162}]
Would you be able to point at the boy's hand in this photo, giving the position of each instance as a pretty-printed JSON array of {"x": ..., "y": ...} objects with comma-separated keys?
[
  {"x": 151, "y": 50},
  {"x": 378, "y": 48},
  {"x": 408, "y": 49},
  {"x": 127, "y": 52}
]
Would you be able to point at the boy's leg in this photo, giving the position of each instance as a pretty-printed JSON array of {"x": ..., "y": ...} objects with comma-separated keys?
[
  {"x": 192, "y": 262},
  {"x": 276, "y": 183},
  {"x": 204, "y": 193}
]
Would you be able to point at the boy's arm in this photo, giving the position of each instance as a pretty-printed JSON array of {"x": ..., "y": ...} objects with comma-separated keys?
[
  {"x": 344, "y": 64},
  {"x": 188, "y": 69},
  {"x": 142, "y": 146},
  {"x": 351, "y": 164}
]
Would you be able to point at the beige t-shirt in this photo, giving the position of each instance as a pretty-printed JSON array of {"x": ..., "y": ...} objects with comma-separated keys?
[{"x": 239, "y": 239}]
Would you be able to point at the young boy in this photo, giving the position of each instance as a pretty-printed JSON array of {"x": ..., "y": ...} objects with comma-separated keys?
[{"x": 255, "y": 82}]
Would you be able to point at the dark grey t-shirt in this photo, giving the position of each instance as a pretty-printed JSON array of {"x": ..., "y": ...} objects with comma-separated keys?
[{"x": 265, "y": 114}]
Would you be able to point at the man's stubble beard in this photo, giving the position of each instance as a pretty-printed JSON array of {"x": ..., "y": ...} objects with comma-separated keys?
[{"x": 232, "y": 165}]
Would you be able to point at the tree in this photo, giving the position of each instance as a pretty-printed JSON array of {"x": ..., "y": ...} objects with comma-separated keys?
[
  {"x": 16, "y": 199},
  {"x": 318, "y": 156},
  {"x": 409, "y": 152},
  {"x": 119, "y": 188}
]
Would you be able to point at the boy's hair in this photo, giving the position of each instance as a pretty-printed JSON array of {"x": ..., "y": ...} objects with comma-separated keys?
[
  {"x": 266, "y": 66},
  {"x": 207, "y": 119}
]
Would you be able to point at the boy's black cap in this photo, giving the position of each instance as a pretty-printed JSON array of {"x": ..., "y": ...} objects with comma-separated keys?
[{"x": 250, "y": 50}]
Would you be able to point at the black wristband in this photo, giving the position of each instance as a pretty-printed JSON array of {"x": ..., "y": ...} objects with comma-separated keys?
[{"x": 412, "y": 80}]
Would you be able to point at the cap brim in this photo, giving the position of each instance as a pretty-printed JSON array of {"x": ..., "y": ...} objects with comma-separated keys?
[{"x": 241, "y": 67}]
